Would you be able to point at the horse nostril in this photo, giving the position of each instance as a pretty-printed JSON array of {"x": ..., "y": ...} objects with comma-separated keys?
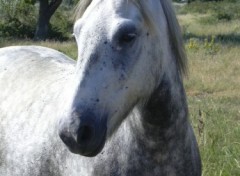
[{"x": 85, "y": 134}]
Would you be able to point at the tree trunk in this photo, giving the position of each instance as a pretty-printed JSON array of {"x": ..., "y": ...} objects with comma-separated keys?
[{"x": 46, "y": 10}]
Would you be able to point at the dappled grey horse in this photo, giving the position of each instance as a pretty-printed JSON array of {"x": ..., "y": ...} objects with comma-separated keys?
[{"x": 121, "y": 110}]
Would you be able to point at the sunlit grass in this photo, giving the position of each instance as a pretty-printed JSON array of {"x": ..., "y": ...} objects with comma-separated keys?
[
  {"x": 67, "y": 47},
  {"x": 213, "y": 89},
  {"x": 194, "y": 23}
]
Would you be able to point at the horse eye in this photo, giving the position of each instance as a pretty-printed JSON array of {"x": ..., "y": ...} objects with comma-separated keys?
[{"x": 127, "y": 38}]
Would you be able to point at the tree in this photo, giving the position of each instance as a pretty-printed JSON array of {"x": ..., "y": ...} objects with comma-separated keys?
[{"x": 46, "y": 10}]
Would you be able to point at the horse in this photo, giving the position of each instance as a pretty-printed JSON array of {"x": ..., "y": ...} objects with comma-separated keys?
[{"x": 120, "y": 110}]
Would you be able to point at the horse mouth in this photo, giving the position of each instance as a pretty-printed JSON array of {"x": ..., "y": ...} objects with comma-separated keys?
[{"x": 87, "y": 148}]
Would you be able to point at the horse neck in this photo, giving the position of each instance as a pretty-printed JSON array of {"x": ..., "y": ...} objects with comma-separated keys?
[
  {"x": 161, "y": 125},
  {"x": 161, "y": 130}
]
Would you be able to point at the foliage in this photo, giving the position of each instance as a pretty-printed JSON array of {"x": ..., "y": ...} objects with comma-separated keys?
[
  {"x": 209, "y": 46},
  {"x": 61, "y": 25},
  {"x": 190, "y": 1},
  {"x": 18, "y": 19},
  {"x": 221, "y": 11},
  {"x": 212, "y": 34}
]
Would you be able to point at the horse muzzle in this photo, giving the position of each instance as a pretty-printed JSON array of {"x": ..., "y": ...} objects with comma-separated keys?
[{"x": 85, "y": 135}]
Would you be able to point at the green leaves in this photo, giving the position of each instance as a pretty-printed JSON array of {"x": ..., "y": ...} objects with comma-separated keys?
[{"x": 30, "y": 1}]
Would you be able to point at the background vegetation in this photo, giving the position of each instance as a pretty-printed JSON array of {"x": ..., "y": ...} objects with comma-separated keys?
[
  {"x": 212, "y": 39},
  {"x": 212, "y": 35},
  {"x": 19, "y": 19}
]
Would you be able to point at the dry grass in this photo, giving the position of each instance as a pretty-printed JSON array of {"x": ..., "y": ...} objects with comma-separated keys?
[
  {"x": 67, "y": 47},
  {"x": 213, "y": 89},
  {"x": 214, "y": 74}
]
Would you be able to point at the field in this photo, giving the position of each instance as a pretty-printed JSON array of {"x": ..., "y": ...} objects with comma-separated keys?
[
  {"x": 212, "y": 43},
  {"x": 213, "y": 89}
]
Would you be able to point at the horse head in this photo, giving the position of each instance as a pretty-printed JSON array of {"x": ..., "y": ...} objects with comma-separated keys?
[{"x": 122, "y": 48}]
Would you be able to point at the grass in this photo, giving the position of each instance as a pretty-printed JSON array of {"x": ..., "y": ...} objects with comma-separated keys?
[
  {"x": 223, "y": 10},
  {"x": 213, "y": 84},
  {"x": 214, "y": 99},
  {"x": 67, "y": 47},
  {"x": 213, "y": 89}
]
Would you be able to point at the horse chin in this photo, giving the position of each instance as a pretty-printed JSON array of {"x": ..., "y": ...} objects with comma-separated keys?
[
  {"x": 95, "y": 152},
  {"x": 98, "y": 146},
  {"x": 89, "y": 150}
]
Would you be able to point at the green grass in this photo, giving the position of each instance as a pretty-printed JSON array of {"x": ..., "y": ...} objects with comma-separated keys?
[
  {"x": 219, "y": 136},
  {"x": 214, "y": 101},
  {"x": 213, "y": 87},
  {"x": 213, "y": 84}
]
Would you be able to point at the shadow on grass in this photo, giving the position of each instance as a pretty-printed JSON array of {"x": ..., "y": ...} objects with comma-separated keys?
[{"x": 233, "y": 39}]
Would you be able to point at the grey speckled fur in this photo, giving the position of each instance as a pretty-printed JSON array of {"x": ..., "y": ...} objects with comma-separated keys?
[
  {"x": 156, "y": 139},
  {"x": 130, "y": 93}
]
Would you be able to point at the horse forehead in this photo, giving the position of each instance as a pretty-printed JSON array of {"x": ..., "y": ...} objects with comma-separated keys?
[
  {"x": 125, "y": 8},
  {"x": 114, "y": 8},
  {"x": 102, "y": 17}
]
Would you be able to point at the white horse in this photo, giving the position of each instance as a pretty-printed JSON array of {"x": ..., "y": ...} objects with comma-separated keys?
[{"x": 122, "y": 106}]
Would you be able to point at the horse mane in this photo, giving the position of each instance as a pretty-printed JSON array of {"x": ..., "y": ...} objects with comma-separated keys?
[
  {"x": 80, "y": 8},
  {"x": 175, "y": 35}
]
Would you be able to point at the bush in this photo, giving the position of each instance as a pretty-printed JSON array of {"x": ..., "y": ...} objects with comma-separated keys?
[
  {"x": 61, "y": 25},
  {"x": 14, "y": 28},
  {"x": 209, "y": 45},
  {"x": 221, "y": 11},
  {"x": 223, "y": 15},
  {"x": 17, "y": 19}
]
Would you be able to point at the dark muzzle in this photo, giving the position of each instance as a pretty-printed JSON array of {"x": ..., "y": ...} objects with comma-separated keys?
[{"x": 87, "y": 137}]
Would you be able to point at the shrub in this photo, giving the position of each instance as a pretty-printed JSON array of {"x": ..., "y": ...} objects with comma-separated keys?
[
  {"x": 14, "y": 28},
  {"x": 219, "y": 11},
  {"x": 17, "y": 19},
  {"x": 61, "y": 25},
  {"x": 223, "y": 15},
  {"x": 208, "y": 44}
]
